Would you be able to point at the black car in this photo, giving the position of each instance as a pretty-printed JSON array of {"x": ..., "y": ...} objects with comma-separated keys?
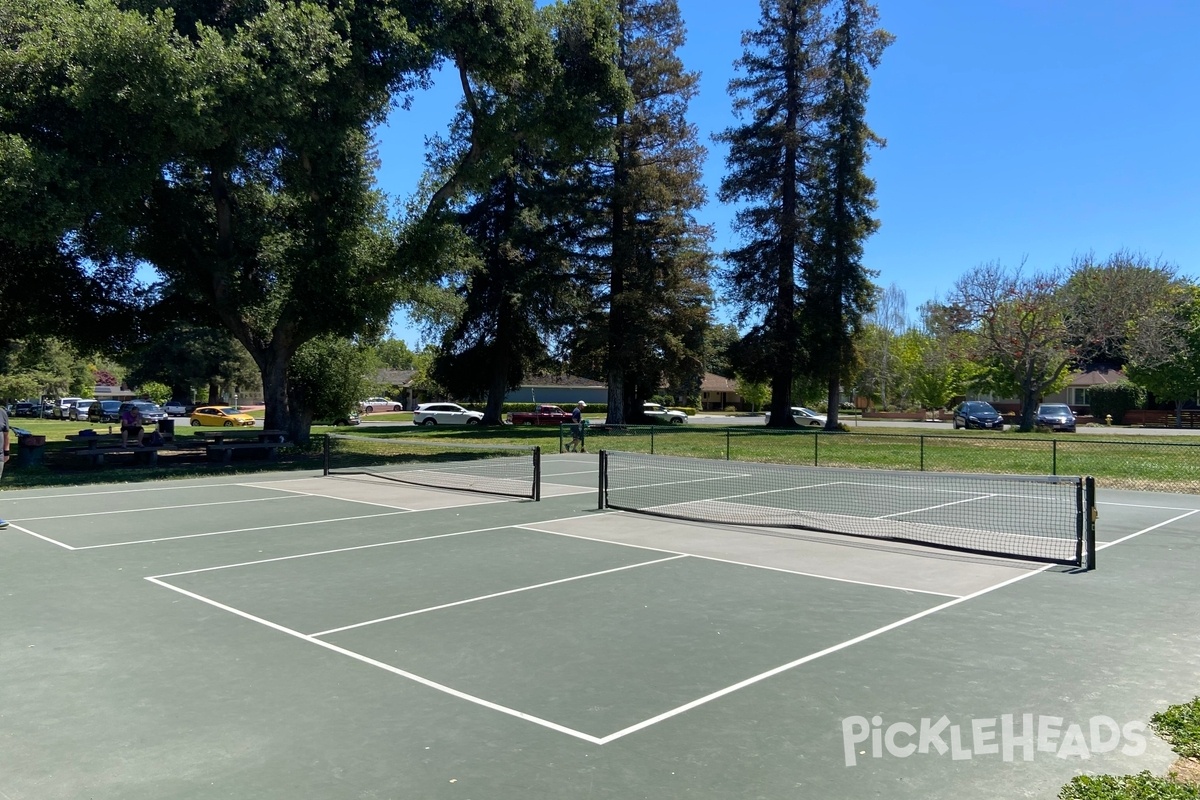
[
  {"x": 150, "y": 411},
  {"x": 977, "y": 414},
  {"x": 1056, "y": 417},
  {"x": 104, "y": 411},
  {"x": 23, "y": 409}
]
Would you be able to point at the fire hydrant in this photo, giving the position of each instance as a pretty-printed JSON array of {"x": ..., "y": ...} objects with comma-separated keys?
[{"x": 1108, "y": 419}]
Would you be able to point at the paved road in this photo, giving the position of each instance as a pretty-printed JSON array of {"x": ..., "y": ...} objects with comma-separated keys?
[{"x": 937, "y": 427}]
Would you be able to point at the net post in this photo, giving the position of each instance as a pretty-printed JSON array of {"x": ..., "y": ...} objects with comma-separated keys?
[
  {"x": 1054, "y": 456},
  {"x": 560, "y": 437},
  {"x": 922, "y": 438},
  {"x": 603, "y": 481},
  {"x": 1090, "y": 520},
  {"x": 537, "y": 473},
  {"x": 727, "y": 444},
  {"x": 816, "y": 440},
  {"x": 651, "y": 440},
  {"x": 325, "y": 455}
]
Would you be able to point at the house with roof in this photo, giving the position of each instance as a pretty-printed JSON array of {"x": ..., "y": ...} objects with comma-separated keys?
[
  {"x": 718, "y": 393},
  {"x": 559, "y": 390}
]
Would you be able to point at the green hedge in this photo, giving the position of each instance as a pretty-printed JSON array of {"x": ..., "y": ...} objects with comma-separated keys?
[
  {"x": 1115, "y": 399},
  {"x": 1143, "y": 786},
  {"x": 1179, "y": 725},
  {"x": 592, "y": 408}
]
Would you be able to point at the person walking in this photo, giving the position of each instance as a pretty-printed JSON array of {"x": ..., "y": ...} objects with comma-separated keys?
[
  {"x": 577, "y": 444},
  {"x": 3, "y": 458}
]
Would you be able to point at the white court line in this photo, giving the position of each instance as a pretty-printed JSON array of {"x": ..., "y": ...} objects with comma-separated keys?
[
  {"x": 241, "y": 530},
  {"x": 1140, "y": 505},
  {"x": 693, "y": 480},
  {"x": 939, "y": 505},
  {"x": 528, "y": 526},
  {"x": 159, "y": 508},
  {"x": 497, "y": 594},
  {"x": 348, "y": 549},
  {"x": 386, "y": 667},
  {"x": 157, "y": 489},
  {"x": 1147, "y": 530},
  {"x": 762, "y": 676},
  {"x": 334, "y": 497},
  {"x": 40, "y": 536}
]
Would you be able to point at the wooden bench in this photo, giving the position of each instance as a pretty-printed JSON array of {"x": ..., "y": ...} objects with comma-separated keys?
[
  {"x": 95, "y": 453},
  {"x": 223, "y": 451}
]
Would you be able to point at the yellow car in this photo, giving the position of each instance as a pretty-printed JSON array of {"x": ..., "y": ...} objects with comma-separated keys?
[{"x": 217, "y": 417}]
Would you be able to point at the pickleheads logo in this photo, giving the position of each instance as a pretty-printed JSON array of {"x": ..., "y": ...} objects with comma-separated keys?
[{"x": 1008, "y": 736}]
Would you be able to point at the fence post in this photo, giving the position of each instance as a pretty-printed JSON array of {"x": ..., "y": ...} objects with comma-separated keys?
[
  {"x": 816, "y": 459},
  {"x": 1054, "y": 456},
  {"x": 727, "y": 444},
  {"x": 922, "y": 438},
  {"x": 651, "y": 440}
]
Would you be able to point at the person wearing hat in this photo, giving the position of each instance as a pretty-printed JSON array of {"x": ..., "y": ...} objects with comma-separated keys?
[{"x": 577, "y": 444}]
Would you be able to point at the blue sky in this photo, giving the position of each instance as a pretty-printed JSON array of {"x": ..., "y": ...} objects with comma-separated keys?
[{"x": 1016, "y": 129}]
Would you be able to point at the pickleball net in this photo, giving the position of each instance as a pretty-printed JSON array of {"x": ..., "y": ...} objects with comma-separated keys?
[
  {"x": 1035, "y": 518},
  {"x": 500, "y": 469}
]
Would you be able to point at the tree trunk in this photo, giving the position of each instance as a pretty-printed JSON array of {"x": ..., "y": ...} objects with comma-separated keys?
[
  {"x": 615, "y": 414},
  {"x": 833, "y": 403},
  {"x": 493, "y": 412}
]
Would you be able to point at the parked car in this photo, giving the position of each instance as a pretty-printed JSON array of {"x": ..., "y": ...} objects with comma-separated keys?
[
  {"x": 78, "y": 412},
  {"x": 444, "y": 414},
  {"x": 346, "y": 419},
  {"x": 977, "y": 414},
  {"x": 23, "y": 409},
  {"x": 373, "y": 404},
  {"x": 543, "y": 415},
  {"x": 178, "y": 408},
  {"x": 61, "y": 408},
  {"x": 805, "y": 417},
  {"x": 1056, "y": 417},
  {"x": 43, "y": 409},
  {"x": 151, "y": 412},
  {"x": 660, "y": 413},
  {"x": 220, "y": 417},
  {"x": 104, "y": 411}
]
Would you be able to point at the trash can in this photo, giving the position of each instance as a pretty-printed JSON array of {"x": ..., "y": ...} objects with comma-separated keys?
[
  {"x": 166, "y": 428},
  {"x": 29, "y": 450}
]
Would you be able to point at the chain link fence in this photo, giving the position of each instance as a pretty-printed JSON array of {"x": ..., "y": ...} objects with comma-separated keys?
[{"x": 1125, "y": 463}]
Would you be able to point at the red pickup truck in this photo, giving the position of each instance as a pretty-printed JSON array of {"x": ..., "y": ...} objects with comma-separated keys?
[{"x": 544, "y": 415}]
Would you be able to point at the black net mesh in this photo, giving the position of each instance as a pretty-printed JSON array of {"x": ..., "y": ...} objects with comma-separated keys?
[
  {"x": 509, "y": 470},
  {"x": 1029, "y": 517}
]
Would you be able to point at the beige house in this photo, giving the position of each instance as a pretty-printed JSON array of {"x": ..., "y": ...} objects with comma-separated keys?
[
  {"x": 1076, "y": 393},
  {"x": 717, "y": 392}
]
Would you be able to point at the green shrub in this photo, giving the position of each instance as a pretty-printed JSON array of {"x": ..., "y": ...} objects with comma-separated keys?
[
  {"x": 1180, "y": 726},
  {"x": 1115, "y": 399},
  {"x": 592, "y": 408},
  {"x": 1142, "y": 786}
]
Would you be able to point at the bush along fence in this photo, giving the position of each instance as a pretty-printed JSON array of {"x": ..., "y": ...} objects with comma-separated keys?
[{"x": 1138, "y": 465}]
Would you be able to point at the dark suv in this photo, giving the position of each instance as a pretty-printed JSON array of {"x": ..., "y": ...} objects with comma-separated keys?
[
  {"x": 977, "y": 414},
  {"x": 104, "y": 411}
]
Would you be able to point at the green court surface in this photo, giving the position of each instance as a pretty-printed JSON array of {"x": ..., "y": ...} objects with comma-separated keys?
[{"x": 318, "y": 638}]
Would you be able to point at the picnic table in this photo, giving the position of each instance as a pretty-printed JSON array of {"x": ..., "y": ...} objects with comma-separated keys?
[
  {"x": 220, "y": 443},
  {"x": 94, "y": 448}
]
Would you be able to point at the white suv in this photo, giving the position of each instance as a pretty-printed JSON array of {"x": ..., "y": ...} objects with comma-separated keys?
[
  {"x": 62, "y": 407},
  {"x": 445, "y": 414},
  {"x": 663, "y": 414}
]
